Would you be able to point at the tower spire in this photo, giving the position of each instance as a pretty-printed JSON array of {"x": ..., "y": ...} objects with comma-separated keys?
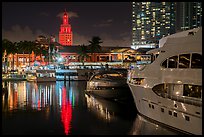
[{"x": 65, "y": 17}]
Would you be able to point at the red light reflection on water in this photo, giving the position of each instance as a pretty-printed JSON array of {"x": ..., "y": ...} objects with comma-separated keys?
[
  {"x": 15, "y": 101},
  {"x": 66, "y": 114}
]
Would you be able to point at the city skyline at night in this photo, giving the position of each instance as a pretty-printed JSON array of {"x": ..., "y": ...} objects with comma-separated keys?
[
  {"x": 111, "y": 21},
  {"x": 154, "y": 20}
]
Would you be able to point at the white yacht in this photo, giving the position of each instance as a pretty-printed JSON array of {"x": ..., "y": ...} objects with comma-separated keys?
[{"x": 169, "y": 90}]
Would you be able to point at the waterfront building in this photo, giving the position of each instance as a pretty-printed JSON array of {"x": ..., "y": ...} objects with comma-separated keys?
[
  {"x": 65, "y": 33},
  {"x": 22, "y": 59},
  {"x": 69, "y": 55},
  {"x": 106, "y": 54}
]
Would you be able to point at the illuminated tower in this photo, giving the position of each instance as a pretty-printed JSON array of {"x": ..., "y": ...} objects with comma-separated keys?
[{"x": 65, "y": 33}]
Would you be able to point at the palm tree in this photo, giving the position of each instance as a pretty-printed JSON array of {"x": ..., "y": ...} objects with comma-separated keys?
[
  {"x": 13, "y": 52},
  {"x": 44, "y": 52},
  {"x": 26, "y": 47},
  {"x": 95, "y": 45},
  {"x": 83, "y": 53},
  {"x": 8, "y": 48},
  {"x": 52, "y": 49},
  {"x": 21, "y": 48},
  {"x": 16, "y": 51},
  {"x": 38, "y": 51},
  {"x": 29, "y": 47}
]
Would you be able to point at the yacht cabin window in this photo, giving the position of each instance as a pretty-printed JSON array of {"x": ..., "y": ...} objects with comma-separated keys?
[
  {"x": 108, "y": 75},
  {"x": 192, "y": 90},
  {"x": 187, "y": 90},
  {"x": 173, "y": 62},
  {"x": 196, "y": 60},
  {"x": 193, "y": 60},
  {"x": 184, "y": 61},
  {"x": 164, "y": 64}
]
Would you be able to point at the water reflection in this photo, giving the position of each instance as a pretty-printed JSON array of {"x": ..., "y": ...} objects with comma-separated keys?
[
  {"x": 41, "y": 97},
  {"x": 66, "y": 114},
  {"x": 109, "y": 110},
  {"x": 62, "y": 108},
  {"x": 100, "y": 108},
  {"x": 142, "y": 126},
  {"x": 15, "y": 97}
]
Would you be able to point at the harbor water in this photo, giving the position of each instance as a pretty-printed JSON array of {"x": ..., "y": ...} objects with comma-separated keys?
[{"x": 63, "y": 108}]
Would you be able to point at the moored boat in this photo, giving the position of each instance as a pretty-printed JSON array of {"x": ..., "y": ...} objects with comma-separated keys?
[
  {"x": 31, "y": 76},
  {"x": 13, "y": 77},
  {"x": 45, "y": 75},
  {"x": 169, "y": 90},
  {"x": 109, "y": 84}
]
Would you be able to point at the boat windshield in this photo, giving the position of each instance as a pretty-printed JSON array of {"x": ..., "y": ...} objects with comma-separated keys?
[{"x": 109, "y": 76}]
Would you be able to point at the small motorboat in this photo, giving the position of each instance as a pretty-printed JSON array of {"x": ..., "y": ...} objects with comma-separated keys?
[{"x": 109, "y": 84}]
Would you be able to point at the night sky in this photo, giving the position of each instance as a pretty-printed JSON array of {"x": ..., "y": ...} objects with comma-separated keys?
[{"x": 111, "y": 21}]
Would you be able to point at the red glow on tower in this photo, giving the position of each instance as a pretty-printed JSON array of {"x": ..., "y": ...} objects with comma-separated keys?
[{"x": 65, "y": 33}]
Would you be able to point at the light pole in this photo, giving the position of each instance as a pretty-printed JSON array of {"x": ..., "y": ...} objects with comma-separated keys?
[{"x": 49, "y": 55}]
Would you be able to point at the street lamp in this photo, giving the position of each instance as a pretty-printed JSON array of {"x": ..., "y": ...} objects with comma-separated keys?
[
  {"x": 49, "y": 55},
  {"x": 60, "y": 59}
]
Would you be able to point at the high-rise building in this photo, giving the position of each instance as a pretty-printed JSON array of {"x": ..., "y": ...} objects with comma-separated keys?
[
  {"x": 65, "y": 33},
  {"x": 150, "y": 22},
  {"x": 188, "y": 15}
]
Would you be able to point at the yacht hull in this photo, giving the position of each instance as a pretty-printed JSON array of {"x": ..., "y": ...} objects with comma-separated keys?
[
  {"x": 166, "y": 112},
  {"x": 120, "y": 93}
]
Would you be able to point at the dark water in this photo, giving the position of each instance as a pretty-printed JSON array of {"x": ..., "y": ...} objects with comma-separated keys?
[{"x": 64, "y": 109}]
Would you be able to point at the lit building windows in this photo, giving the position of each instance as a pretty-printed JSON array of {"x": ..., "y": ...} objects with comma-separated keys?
[
  {"x": 138, "y": 21},
  {"x": 149, "y": 17}
]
